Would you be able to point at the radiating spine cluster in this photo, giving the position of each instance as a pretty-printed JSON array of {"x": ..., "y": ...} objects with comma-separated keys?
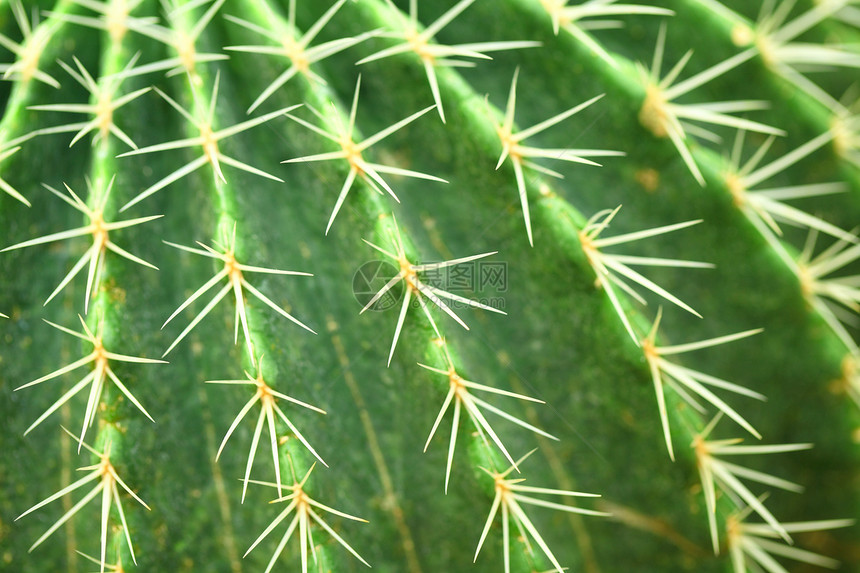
[{"x": 98, "y": 208}]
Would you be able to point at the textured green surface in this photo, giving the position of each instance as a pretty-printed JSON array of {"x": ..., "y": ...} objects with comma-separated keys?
[{"x": 561, "y": 340}]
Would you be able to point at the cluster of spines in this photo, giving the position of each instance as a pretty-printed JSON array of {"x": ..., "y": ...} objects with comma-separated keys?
[
  {"x": 691, "y": 385},
  {"x": 287, "y": 456},
  {"x": 426, "y": 295},
  {"x": 764, "y": 209},
  {"x": 97, "y": 206},
  {"x": 96, "y": 209},
  {"x": 183, "y": 58},
  {"x": 690, "y": 379},
  {"x": 773, "y": 39}
]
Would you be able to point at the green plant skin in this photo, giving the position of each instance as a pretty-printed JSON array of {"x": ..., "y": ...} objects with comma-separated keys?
[{"x": 561, "y": 340}]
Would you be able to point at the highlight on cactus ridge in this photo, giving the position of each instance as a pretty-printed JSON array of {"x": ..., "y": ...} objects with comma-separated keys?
[{"x": 758, "y": 252}]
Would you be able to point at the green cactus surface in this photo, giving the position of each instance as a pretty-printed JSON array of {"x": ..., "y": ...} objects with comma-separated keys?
[{"x": 431, "y": 285}]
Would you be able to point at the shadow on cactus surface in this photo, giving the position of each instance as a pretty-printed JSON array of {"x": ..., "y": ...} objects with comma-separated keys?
[{"x": 554, "y": 286}]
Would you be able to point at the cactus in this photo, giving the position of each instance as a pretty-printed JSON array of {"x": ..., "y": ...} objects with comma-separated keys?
[{"x": 613, "y": 280}]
